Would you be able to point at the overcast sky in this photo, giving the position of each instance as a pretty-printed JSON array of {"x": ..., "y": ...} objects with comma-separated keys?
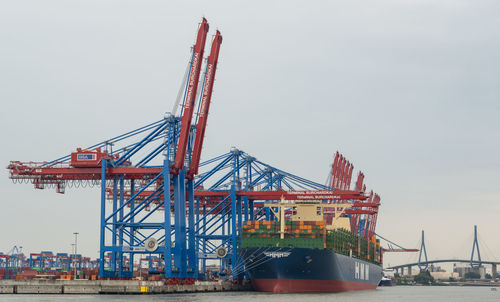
[{"x": 408, "y": 91}]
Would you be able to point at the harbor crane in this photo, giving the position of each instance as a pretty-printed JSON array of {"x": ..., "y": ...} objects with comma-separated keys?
[{"x": 162, "y": 206}]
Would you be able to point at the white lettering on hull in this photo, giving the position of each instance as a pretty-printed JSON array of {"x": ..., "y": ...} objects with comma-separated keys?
[
  {"x": 277, "y": 254},
  {"x": 361, "y": 271}
]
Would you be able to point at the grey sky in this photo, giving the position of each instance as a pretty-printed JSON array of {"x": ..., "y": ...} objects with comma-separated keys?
[{"x": 407, "y": 90}]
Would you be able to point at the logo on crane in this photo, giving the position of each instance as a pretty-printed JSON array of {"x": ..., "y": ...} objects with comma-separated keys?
[
  {"x": 86, "y": 156},
  {"x": 189, "y": 99}
]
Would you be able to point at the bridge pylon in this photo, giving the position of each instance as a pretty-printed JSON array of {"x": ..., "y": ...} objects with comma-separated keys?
[
  {"x": 475, "y": 246},
  {"x": 422, "y": 249}
]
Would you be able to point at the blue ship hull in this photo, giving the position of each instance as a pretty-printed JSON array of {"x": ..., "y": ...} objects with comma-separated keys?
[{"x": 308, "y": 270}]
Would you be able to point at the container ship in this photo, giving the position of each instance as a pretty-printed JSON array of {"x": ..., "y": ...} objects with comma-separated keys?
[{"x": 309, "y": 248}]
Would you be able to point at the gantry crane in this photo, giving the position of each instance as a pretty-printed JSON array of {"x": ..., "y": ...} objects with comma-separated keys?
[
  {"x": 151, "y": 176},
  {"x": 362, "y": 223}
]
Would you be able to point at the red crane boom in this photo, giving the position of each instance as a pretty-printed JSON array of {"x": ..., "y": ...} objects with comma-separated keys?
[
  {"x": 334, "y": 169},
  {"x": 194, "y": 78},
  {"x": 205, "y": 105}
]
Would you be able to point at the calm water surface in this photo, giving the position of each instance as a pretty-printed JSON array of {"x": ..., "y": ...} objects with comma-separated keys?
[{"x": 385, "y": 294}]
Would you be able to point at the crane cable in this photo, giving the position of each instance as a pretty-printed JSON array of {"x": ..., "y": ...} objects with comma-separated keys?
[{"x": 182, "y": 88}]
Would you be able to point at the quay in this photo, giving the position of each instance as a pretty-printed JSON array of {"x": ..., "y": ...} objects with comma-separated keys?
[{"x": 96, "y": 287}]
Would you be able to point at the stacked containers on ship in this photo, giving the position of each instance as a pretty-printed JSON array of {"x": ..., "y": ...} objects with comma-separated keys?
[{"x": 297, "y": 234}]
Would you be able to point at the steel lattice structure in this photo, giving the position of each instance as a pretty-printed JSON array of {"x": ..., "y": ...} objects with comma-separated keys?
[{"x": 156, "y": 205}]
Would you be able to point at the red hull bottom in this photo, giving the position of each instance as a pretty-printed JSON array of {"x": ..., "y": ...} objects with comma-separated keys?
[{"x": 308, "y": 286}]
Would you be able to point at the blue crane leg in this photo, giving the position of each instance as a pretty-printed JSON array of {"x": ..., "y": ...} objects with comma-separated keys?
[
  {"x": 167, "y": 253},
  {"x": 191, "y": 240},
  {"x": 180, "y": 256},
  {"x": 132, "y": 236},
  {"x": 234, "y": 239},
  {"x": 204, "y": 226},
  {"x": 103, "y": 216},
  {"x": 114, "y": 259},
  {"x": 120, "y": 231}
]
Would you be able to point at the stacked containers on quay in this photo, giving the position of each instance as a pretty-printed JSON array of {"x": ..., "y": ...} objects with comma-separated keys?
[{"x": 306, "y": 254}]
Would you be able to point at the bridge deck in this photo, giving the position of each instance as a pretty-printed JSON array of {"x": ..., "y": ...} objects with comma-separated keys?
[{"x": 443, "y": 261}]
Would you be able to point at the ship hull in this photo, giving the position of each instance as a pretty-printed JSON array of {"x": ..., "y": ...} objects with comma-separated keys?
[{"x": 294, "y": 270}]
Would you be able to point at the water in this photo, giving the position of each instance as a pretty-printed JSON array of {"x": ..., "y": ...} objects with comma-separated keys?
[{"x": 383, "y": 294}]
